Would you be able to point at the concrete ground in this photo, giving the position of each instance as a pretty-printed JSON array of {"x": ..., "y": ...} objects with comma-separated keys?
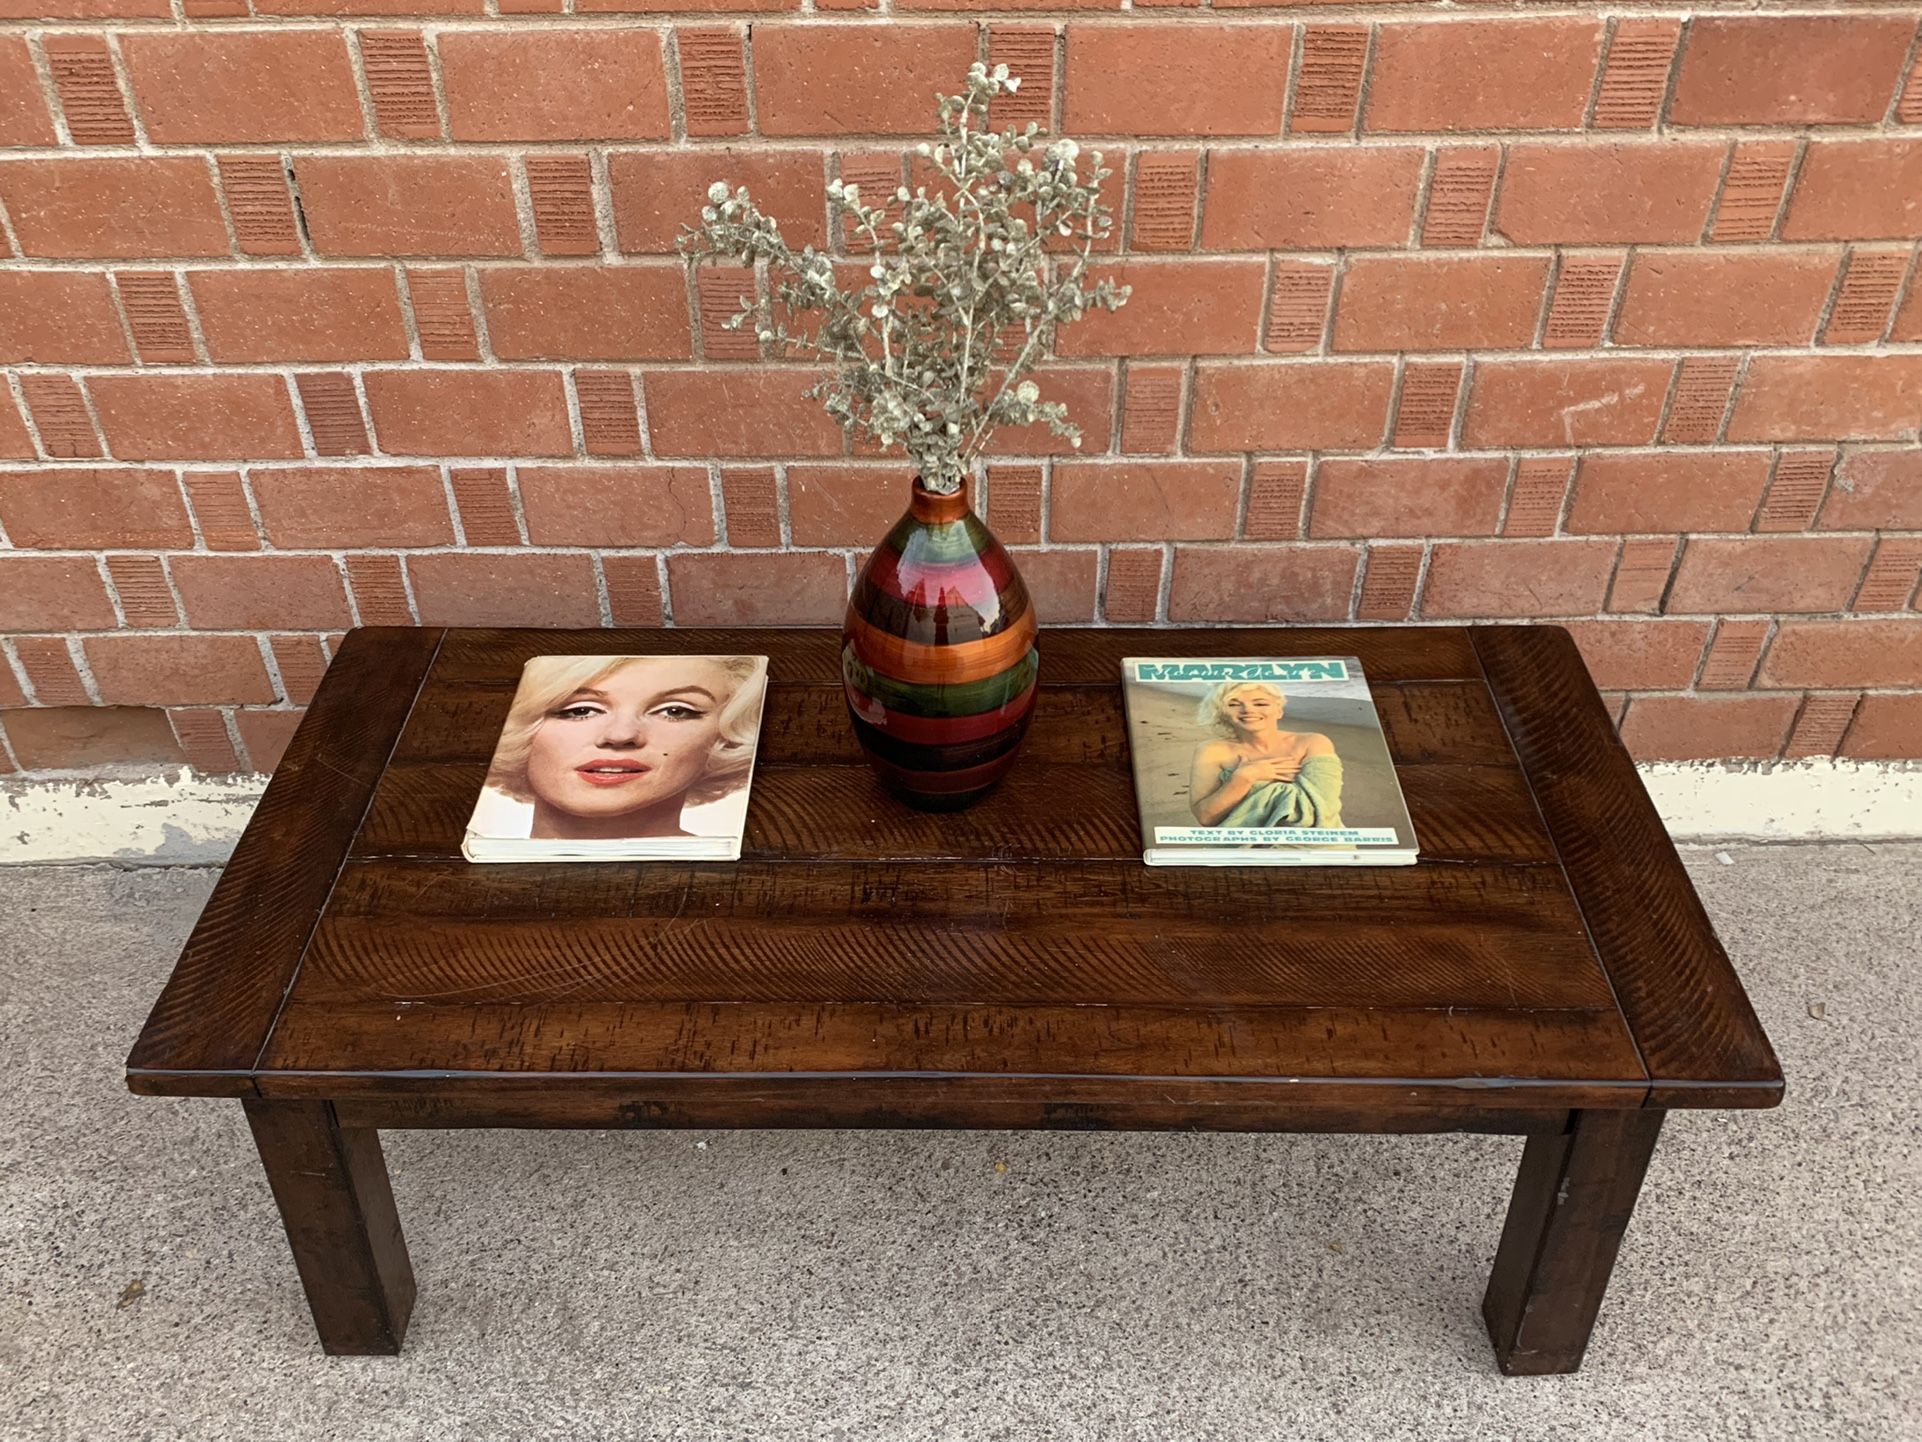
[{"x": 880, "y": 1287}]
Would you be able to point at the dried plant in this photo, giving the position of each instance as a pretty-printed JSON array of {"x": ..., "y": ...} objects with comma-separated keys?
[{"x": 965, "y": 291}]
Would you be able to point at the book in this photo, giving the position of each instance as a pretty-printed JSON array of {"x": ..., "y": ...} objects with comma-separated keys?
[
  {"x": 623, "y": 758},
  {"x": 1262, "y": 761}
]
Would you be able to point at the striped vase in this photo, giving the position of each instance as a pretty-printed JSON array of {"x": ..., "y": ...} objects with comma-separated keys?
[{"x": 938, "y": 655}]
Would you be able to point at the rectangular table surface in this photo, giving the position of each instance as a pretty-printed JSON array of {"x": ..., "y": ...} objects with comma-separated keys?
[{"x": 1016, "y": 963}]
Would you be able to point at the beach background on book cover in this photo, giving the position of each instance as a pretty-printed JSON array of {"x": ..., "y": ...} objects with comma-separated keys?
[{"x": 1165, "y": 733}]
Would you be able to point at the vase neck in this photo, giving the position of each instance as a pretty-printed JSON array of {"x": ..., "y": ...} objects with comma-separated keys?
[{"x": 939, "y": 507}]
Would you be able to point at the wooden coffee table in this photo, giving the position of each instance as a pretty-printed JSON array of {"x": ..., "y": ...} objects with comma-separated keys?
[{"x": 1545, "y": 970}]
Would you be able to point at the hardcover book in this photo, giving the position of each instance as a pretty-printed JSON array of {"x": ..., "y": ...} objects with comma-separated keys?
[
  {"x": 623, "y": 758},
  {"x": 1262, "y": 761}
]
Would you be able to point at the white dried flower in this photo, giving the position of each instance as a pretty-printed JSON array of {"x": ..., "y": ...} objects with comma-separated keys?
[{"x": 718, "y": 191}]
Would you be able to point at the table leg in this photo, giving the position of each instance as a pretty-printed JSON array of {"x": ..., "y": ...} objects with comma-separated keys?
[
  {"x": 1571, "y": 1205},
  {"x": 331, "y": 1184}
]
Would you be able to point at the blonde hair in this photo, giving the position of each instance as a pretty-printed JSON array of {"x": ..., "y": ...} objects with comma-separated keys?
[
  {"x": 1210, "y": 713},
  {"x": 547, "y": 681}
]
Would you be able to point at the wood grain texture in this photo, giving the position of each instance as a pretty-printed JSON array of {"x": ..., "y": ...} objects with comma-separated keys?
[
  {"x": 1697, "y": 1032},
  {"x": 213, "y": 1017}
]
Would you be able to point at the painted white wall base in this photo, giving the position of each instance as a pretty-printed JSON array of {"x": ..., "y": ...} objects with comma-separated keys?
[{"x": 180, "y": 819}]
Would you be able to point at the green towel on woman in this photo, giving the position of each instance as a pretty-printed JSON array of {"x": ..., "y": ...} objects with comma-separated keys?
[{"x": 1313, "y": 798}]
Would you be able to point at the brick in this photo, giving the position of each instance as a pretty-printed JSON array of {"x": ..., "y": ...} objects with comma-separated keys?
[
  {"x": 491, "y": 412},
  {"x": 260, "y": 204},
  {"x": 610, "y": 419},
  {"x": 1634, "y": 83},
  {"x": 792, "y": 588},
  {"x": 1517, "y": 578},
  {"x": 75, "y": 738},
  {"x": 1829, "y": 397},
  {"x": 1795, "y": 493},
  {"x": 204, "y": 86},
  {"x": 1502, "y": 74},
  {"x": 1641, "y": 655},
  {"x": 751, "y": 504},
  {"x": 76, "y": 509},
  {"x": 1613, "y": 193},
  {"x": 560, "y": 189},
  {"x": 737, "y": 412},
  {"x": 1798, "y": 573},
  {"x": 1908, "y": 105},
  {"x": 657, "y": 192},
  {"x": 878, "y": 174},
  {"x": 1425, "y": 407},
  {"x": 1014, "y": 503},
  {"x": 1871, "y": 281},
  {"x": 713, "y": 79},
  {"x": 1275, "y": 199},
  {"x": 1820, "y": 725},
  {"x": 1882, "y": 652},
  {"x": 1297, "y": 314},
  {"x": 1584, "y": 295},
  {"x": 400, "y": 81},
  {"x": 1389, "y": 583},
  {"x": 1732, "y": 655},
  {"x": 23, "y": 114},
  {"x": 1887, "y": 728},
  {"x": 1890, "y": 581},
  {"x": 145, "y": 598},
  {"x": 1711, "y": 298},
  {"x": 554, "y": 84},
  {"x": 1194, "y": 306},
  {"x": 1751, "y": 198},
  {"x": 1706, "y": 728},
  {"x": 368, "y": 7},
  {"x": 1641, "y": 577},
  {"x": 332, "y": 408},
  {"x": 48, "y": 668},
  {"x": 1334, "y": 62},
  {"x": 267, "y": 734},
  {"x": 1394, "y": 302},
  {"x": 485, "y": 504},
  {"x": 11, "y": 691},
  {"x": 380, "y": 591},
  {"x": 1459, "y": 192},
  {"x": 481, "y": 588},
  {"x": 220, "y": 510},
  {"x": 85, "y": 206},
  {"x": 1618, "y": 491},
  {"x": 1289, "y": 405},
  {"x": 829, "y": 78},
  {"x": 1790, "y": 69},
  {"x": 1166, "y": 187},
  {"x": 1571, "y": 402},
  {"x": 1704, "y": 385},
  {"x": 1876, "y": 490},
  {"x": 1262, "y": 583},
  {"x": 1274, "y": 501},
  {"x": 1852, "y": 190},
  {"x": 844, "y": 505},
  {"x": 52, "y": 593},
  {"x": 617, "y": 505},
  {"x": 1151, "y": 409},
  {"x": 90, "y": 98},
  {"x": 1144, "y": 500},
  {"x": 633, "y": 590},
  {"x": 15, "y": 441},
  {"x": 1159, "y": 78},
  {"x": 326, "y": 508},
  {"x": 203, "y": 736},
  {"x": 178, "y": 670},
  {"x": 60, "y": 415},
  {"x": 237, "y": 593},
  {"x": 1406, "y": 496},
  {"x": 1061, "y": 584},
  {"x": 59, "y": 317},
  {"x": 1541, "y": 489},
  {"x": 331, "y": 313},
  {"x": 1028, "y": 52},
  {"x": 155, "y": 315},
  {"x": 436, "y": 205},
  {"x": 1132, "y": 594},
  {"x": 629, "y": 312},
  {"x": 443, "y": 315}
]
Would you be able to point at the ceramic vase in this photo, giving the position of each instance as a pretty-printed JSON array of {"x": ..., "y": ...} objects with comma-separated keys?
[{"x": 938, "y": 655}]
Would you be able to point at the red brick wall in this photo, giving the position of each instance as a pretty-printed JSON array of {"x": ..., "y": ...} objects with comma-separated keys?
[{"x": 316, "y": 312}]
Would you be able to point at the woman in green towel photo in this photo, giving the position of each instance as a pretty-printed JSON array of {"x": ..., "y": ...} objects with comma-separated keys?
[{"x": 1256, "y": 773}]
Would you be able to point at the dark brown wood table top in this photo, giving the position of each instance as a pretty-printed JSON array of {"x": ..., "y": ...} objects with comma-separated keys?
[{"x": 1013, "y": 965}]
